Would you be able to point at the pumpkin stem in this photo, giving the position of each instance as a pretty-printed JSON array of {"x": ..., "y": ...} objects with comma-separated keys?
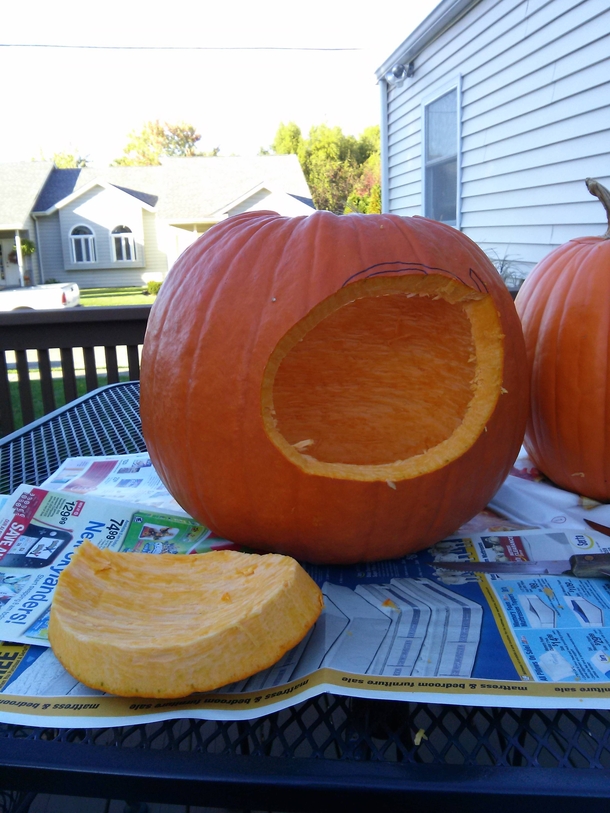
[{"x": 595, "y": 188}]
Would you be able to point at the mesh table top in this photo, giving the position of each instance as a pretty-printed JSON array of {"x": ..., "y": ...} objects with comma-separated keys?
[{"x": 323, "y": 752}]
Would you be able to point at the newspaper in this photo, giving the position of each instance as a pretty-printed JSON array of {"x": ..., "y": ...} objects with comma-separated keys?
[{"x": 404, "y": 629}]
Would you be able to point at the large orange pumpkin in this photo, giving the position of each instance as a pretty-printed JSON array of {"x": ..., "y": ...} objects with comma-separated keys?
[
  {"x": 338, "y": 388},
  {"x": 564, "y": 305}
]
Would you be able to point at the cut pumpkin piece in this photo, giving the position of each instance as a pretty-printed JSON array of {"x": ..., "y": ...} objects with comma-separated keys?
[{"x": 166, "y": 626}]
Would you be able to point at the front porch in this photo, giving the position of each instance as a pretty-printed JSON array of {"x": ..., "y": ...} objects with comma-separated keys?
[{"x": 17, "y": 264}]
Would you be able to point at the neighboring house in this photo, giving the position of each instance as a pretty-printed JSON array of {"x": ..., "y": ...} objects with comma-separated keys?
[
  {"x": 120, "y": 226},
  {"x": 494, "y": 113}
]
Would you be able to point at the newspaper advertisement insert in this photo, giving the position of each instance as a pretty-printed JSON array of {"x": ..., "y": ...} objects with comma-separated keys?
[{"x": 406, "y": 629}]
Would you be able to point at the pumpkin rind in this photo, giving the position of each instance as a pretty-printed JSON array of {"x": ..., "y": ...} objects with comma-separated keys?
[
  {"x": 140, "y": 625},
  {"x": 564, "y": 306},
  {"x": 207, "y": 416}
]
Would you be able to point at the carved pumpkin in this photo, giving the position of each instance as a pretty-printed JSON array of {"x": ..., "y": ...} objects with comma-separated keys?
[
  {"x": 564, "y": 306},
  {"x": 339, "y": 388}
]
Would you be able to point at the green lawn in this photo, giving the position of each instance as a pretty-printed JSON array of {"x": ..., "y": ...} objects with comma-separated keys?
[
  {"x": 58, "y": 391},
  {"x": 107, "y": 297}
]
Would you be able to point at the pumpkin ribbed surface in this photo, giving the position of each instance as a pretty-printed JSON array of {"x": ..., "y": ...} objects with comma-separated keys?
[
  {"x": 564, "y": 306},
  {"x": 336, "y": 388},
  {"x": 141, "y": 625}
]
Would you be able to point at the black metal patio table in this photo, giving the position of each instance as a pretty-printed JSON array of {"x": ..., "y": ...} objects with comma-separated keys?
[{"x": 325, "y": 753}]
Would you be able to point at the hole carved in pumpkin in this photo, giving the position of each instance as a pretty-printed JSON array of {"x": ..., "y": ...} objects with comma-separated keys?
[{"x": 386, "y": 379}]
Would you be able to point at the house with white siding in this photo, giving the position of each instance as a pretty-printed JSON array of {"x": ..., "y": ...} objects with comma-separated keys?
[
  {"x": 123, "y": 226},
  {"x": 493, "y": 114}
]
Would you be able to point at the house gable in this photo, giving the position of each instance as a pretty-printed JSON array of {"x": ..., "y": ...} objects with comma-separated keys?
[
  {"x": 203, "y": 190},
  {"x": 263, "y": 198},
  {"x": 101, "y": 209}
]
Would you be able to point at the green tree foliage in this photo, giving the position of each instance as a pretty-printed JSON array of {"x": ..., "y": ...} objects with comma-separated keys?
[
  {"x": 343, "y": 172},
  {"x": 181, "y": 140},
  {"x": 158, "y": 139},
  {"x": 366, "y": 193},
  {"x": 67, "y": 160},
  {"x": 287, "y": 140}
]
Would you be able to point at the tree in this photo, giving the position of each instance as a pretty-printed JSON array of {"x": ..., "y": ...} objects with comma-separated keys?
[
  {"x": 157, "y": 139},
  {"x": 181, "y": 140},
  {"x": 370, "y": 143},
  {"x": 343, "y": 172},
  {"x": 330, "y": 167},
  {"x": 68, "y": 160},
  {"x": 287, "y": 140},
  {"x": 366, "y": 194}
]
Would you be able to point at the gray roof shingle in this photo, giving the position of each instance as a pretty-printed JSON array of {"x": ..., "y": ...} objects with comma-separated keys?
[
  {"x": 20, "y": 185},
  {"x": 60, "y": 184},
  {"x": 186, "y": 190}
]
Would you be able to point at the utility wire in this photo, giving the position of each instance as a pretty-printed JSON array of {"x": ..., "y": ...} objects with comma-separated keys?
[{"x": 170, "y": 47}]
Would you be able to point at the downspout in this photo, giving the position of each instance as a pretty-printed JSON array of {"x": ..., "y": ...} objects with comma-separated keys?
[
  {"x": 383, "y": 131},
  {"x": 458, "y": 211},
  {"x": 39, "y": 252},
  {"x": 19, "y": 257}
]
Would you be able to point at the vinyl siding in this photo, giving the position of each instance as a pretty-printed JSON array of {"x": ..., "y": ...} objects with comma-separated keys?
[
  {"x": 102, "y": 210},
  {"x": 49, "y": 247},
  {"x": 155, "y": 254},
  {"x": 535, "y": 122},
  {"x": 251, "y": 202}
]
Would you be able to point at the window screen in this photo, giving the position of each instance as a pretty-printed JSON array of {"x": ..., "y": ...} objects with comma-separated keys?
[{"x": 441, "y": 133}]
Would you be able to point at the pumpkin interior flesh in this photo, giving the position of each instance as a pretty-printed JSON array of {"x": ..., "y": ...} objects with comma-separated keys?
[
  {"x": 199, "y": 596},
  {"x": 166, "y": 625},
  {"x": 375, "y": 367},
  {"x": 370, "y": 381}
]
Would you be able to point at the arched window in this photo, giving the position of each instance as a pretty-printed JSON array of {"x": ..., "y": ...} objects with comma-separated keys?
[
  {"x": 83, "y": 245},
  {"x": 123, "y": 244}
]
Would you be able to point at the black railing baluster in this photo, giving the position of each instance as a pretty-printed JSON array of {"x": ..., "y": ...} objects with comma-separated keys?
[
  {"x": 133, "y": 361},
  {"x": 68, "y": 373},
  {"x": 25, "y": 386},
  {"x": 112, "y": 364},
  {"x": 7, "y": 421},
  {"x": 91, "y": 379},
  {"x": 46, "y": 380}
]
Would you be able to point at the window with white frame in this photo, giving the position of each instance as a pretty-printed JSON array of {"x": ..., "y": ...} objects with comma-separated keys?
[
  {"x": 123, "y": 244},
  {"x": 82, "y": 240},
  {"x": 441, "y": 158}
]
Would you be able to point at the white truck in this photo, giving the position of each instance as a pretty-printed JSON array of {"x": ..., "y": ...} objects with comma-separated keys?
[{"x": 40, "y": 297}]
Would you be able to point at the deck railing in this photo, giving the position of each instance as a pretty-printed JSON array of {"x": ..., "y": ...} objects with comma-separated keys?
[{"x": 33, "y": 343}]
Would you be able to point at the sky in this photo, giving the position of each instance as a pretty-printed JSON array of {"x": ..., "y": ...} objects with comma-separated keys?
[{"x": 234, "y": 69}]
